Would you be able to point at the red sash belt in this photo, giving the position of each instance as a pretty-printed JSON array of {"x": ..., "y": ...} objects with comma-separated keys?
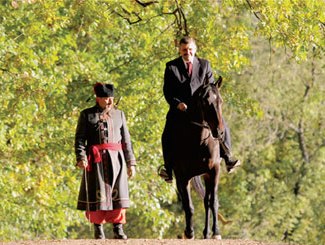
[{"x": 95, "y": 156}]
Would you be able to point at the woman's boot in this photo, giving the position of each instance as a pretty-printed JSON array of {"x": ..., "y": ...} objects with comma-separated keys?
[
  {"x": 99, "y": 231},
  {"x": 118, "y": 231}
]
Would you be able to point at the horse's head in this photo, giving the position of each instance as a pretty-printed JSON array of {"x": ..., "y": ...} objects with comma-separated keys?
[{"x": 209, "y": 102}]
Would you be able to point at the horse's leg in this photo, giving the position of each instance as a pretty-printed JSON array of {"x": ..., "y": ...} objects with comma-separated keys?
[
  {"x": 184, "y": 191},
  {"x": 207, "y": 206},
  {"x": 214, "y": 203}
]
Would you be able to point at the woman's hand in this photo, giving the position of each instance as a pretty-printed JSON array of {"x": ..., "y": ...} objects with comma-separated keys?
[
  {"x": 82, "y": 164},
  {"x": 131, "y": 171}
]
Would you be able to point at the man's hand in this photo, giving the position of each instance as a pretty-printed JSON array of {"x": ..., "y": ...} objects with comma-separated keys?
[
  {"x": 182, "y": 106},
  {"x": 131, "y": 171},
  {"x": 82, "y": 164}
]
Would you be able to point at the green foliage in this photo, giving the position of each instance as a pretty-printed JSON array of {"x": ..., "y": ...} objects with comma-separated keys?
[
  {"x": 298, "y": 25},
  {"x": 281, "y": 181},
  {"x": 52, "y": 52}
]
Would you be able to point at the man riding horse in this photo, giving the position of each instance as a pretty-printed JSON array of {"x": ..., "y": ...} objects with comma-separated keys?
[{"x": 183, "y": 76}]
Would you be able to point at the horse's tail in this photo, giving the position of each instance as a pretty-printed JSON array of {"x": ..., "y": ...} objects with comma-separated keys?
[
  {"x": 223, "y": 220},
  {"x": 198, "y": 186}
]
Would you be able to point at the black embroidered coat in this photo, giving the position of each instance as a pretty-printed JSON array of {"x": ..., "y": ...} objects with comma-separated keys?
[{"x": 105, "y": 185}]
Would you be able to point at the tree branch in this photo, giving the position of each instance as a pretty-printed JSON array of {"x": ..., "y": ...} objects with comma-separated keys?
[
  {"x": 322, "y": 25},
  {"x": 120, "y": 65},
  {"x": 128, "y": 19},
  {"x": 146, "y": 4},
  {"x": 255, "y": 13},
  {"x": 302, "y": 143},
  {"x": 181, "y": 18}
]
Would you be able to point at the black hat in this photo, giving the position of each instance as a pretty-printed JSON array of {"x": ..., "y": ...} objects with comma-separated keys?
[{"x": 104, "y": 90}]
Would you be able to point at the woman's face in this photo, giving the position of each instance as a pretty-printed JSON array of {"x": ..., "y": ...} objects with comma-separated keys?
[{"x": 105, "y": 102}]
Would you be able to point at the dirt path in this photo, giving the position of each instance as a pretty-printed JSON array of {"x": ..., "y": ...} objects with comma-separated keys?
[{"x": 142, "y": 241}]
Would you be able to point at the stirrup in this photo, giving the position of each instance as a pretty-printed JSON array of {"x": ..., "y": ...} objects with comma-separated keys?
[{"x": 163, "y": 174}]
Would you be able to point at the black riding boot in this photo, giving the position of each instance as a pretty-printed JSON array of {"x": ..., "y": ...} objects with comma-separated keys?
[
  {"x": 99, "y": 231},
  {"x": 231, "y": 163},
  {"x": 118, "y": 232}
]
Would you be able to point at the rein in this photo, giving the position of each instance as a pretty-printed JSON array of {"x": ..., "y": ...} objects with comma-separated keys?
[
  {"x": 202, "y": 125},
  {"x": 205, "y": 125}
]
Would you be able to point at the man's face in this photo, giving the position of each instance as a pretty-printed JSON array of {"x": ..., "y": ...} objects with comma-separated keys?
[
  {"x": 105, "y": 102},
  {"x": 187, "y": 51}
]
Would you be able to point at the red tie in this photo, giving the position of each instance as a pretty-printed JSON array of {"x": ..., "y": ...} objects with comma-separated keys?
[{"x": 189, "y": 68}]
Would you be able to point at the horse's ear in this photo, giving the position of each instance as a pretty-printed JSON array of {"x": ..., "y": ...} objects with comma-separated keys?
[
  {"x": 218, "y": 83},
  {"x": 206, "y": 81}
]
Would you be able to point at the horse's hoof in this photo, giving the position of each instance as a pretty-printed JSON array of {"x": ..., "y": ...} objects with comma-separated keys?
[
  {"x": 184, "y": 237},
  {"x": 216, "y": 237},
  {"x": 188, "y": 236}
]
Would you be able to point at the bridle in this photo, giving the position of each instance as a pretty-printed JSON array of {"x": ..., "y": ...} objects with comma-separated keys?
[
  {"x": 205, "y": 124},
  {"x": 202, "y": 125}
]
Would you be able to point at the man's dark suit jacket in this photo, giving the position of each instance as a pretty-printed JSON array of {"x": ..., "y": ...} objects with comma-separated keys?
[{"x": 179, "y": 86}]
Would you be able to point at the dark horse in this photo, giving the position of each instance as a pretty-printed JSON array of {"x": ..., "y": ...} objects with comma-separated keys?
[{"x": 196, "y": 153}]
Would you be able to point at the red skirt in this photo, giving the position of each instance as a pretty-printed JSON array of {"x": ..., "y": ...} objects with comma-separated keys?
[{"x": 111, "y": 216}]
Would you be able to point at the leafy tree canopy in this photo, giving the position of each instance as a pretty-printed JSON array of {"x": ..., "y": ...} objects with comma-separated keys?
[{"x": 271, "y": 56}]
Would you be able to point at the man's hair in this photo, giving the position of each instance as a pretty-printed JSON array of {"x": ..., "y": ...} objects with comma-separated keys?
[{"x": 187, "y": 40}]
